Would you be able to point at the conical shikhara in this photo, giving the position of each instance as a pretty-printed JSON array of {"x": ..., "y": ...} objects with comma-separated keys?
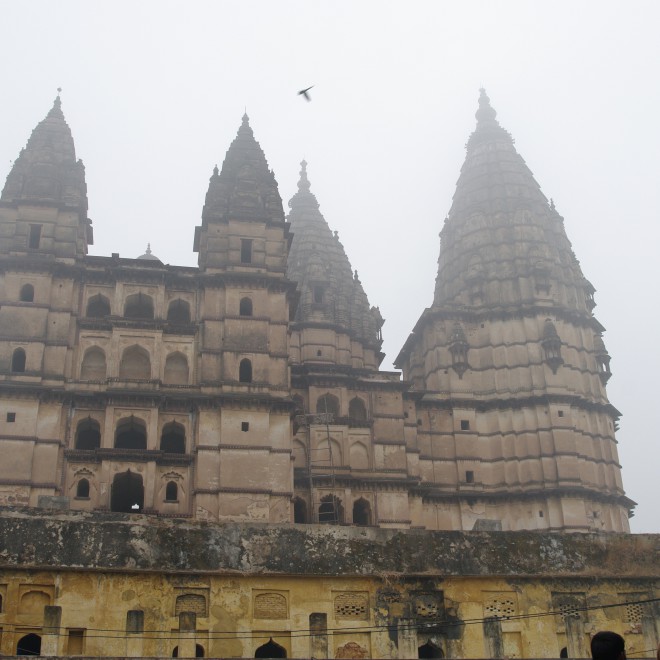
[{"x": 249, "y": 388}]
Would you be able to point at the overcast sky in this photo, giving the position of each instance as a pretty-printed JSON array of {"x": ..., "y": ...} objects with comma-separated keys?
[{"x": 154, "y": 92}]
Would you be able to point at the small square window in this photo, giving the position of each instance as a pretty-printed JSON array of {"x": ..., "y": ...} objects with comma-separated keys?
[
  {"x": 540, "y": 514},
  {"x": 561, "y": 413},
  {"x": 469, "y": 476},
  {"x": 245, "y": 426},
  {"x": 11, "y": 416},
  {"x": 319, "y": 353},
  {"x": 465, "y": 425}
]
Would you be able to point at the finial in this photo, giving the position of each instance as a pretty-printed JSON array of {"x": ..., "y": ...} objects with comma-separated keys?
[
  {"x": 552, "y": 204},
  {"x": 148, "y": 248},
  {"x": 245, "y": 117},
  {"x": 215, "y": 170},
  {"x": 485, "y": 113},
  {"x": 303, "y": 183}
]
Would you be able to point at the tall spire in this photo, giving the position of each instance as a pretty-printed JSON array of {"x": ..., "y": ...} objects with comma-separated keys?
[
  {"x": 47, "y": 171},
  {"x": 329, "y": 292}
]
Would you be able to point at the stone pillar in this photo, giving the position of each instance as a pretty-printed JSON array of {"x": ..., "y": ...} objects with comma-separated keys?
[
  {"x": 51, "y": 631},
  {"x": 493, "y": 642},
  {"x": 318, "y": 635},
  {"x": 650, "y": 626},
  {"x": 134, "y": 633},
  {"x": 407, "y": 638},
  {"x": 187, "y": 627},
  {"x": 575, "y": 637}
]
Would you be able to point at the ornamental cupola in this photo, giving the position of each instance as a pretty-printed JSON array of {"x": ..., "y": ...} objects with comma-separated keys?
[
  {"x": 243, "y": 224},
  {"x": 44, "y": 200},
  {"x": 331, "y": 294}
]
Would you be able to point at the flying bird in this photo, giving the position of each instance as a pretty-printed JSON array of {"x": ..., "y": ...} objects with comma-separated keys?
[{"x": 305, "y": 94}]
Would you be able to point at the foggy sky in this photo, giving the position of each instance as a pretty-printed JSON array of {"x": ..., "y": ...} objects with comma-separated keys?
[{"x": 154, "y": 92}]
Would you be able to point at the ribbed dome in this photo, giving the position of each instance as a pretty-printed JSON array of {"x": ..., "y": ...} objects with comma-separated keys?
[
  {"x": 503, "y": 243},
  {"x": 47, "y": 171},
  {"x": 329, "y": 289},
  {"x": 245, "y": 187}
]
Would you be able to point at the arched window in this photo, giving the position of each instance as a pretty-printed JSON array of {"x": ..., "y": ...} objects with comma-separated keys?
[
  {"x": 29, "y": 645},
  {"x": 82, "y": 489},
  {"x": 299, "y": 510},
  {"x": 178, "y": 312},
  {"x": 429, "y": 650},
  {"x": 328, "y": 403},
  {"x": 270, "y": 650},
  {"x": 173, "y": 439},
  {"x": 27, "y": 293},
  {"x": 88, "y": 434},
  {"x": 18, "y": 361},
  {"x": 171, "y": 492},
  {"x": 131, "y": 433},
  {"x": 331, "y": 511},
  {"x": 327, "y": 452},
  {"x": 127, "y": 493},
  {"x": 245, "y": 371},
  {"x": 93, "y": 366},
  {"x": 176, "y": 369},
  {"x": 135, "y": 364},
  {"x": 361, "y": 512},
  {"x": 357, "y": 411},
  {"x": 98, "y": 306},
  {"x": 245, "y": 307},
  {"x": 139, "y": 306},
  {"x": 359, "y": 456}
]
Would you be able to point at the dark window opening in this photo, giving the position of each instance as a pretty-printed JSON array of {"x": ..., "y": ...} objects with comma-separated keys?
[
  {"x": 98, "y": 307},
  {"x": 88, "y": 434},
  {"x": 29, "y": 645},
  {"x": 18, "y": 361},
  {"x": 328, "y": 404},
  {"x": 465, "y": 425},
  {"x": 245, "y": 426},
  {"x": 245, "y": 371},
  {"x": 171, "y": 492},
  {"x": 139, "y": 306},
  {"x": 127, "y": 493},
  {"x": 331, "y": 511},
  {"x": 131, "y": 433},
  {"x": 178, "y": 312},
  {"x": 11, "y": 417},
  {"x": 469, "y": 476},
  {"x": 361, "y": 512},
  {"x": 270, "y": 650},
  {"x": 135, "y": 364},
  {"x": 319, "y": 293},
  {"x": 319, "y": 353},
  {"x": 541, "y": 514},
  {"x": 429, "y": 650},
  {"x": 173, "y": 439},
  {"x": 82, "y": 489},
  {"x": 563, "y": 653},
  {"x": 357, "y": 411},
  {"x": 35, "y": 237},
  {"x": 246, "y": 250},
  {"x": 299, "y": 511},
  {"x": 561, "y": 413},
  {"x": 245, "y": 307},
  {"x": 27, "y": 293}
]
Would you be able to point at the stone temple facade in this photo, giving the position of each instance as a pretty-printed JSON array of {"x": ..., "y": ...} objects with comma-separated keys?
[
  {"x": 209, "y": 461},
  {"x": 248, "y": 388}
]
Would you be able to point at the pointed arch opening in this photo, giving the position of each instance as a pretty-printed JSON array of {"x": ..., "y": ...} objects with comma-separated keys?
[
  {"x": 245, "y": 307},
  {"x": 27, "y": 293},
  {"x": 179, "y": 312},
  {"x": 173, "y": 439},
  {"x": 98, "y": 307},
  {"x": 88, "y": 434},
  {"x": 93, "y": 366},
  {"x": 299, "y": 511},
  {"x": 127, "y": 493},
  {"x": 245, "y": 371},
  {"x": 357, "y": 410},
  {"x": 135, "y": 364},
  {"x": 331, "y": 511},
  {"x": 82, "y": 489},
  {"x": 18, "y": 360},
  {"x": 328, "y": 452},
  {"x": 176, "y": 369},
  {"x": 29, "y": 645},
  {"x": 359, "y": 456},
  {"x": 328, "y": 403},
  {"x": 430, "y": 650},
  {"x": 362, "y": 512},
  {"x": 139, "y": 306},
  {"x": 131, "y": 433},
  {"x": 270, "y": 650}
]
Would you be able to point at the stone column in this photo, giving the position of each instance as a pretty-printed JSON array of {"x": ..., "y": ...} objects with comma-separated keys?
[
  {"x": 134, "y": 633},
  {"x": 51, "y": 630},
  {"x": 493, "y": 642},
  {"x": 575, "y": 637},
  {"x": 187, "y": 627},
  {"x": 318, "y": 635}
]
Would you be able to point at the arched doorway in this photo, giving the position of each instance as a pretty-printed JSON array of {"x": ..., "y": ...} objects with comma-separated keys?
[
  {"x": 270, "y": 650},
  {"x": 430, "y": 650},
  {"x": 199, "y": 651},
  {"x": 29, "y": 645},
  {"x": 127, "y": 495}
]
